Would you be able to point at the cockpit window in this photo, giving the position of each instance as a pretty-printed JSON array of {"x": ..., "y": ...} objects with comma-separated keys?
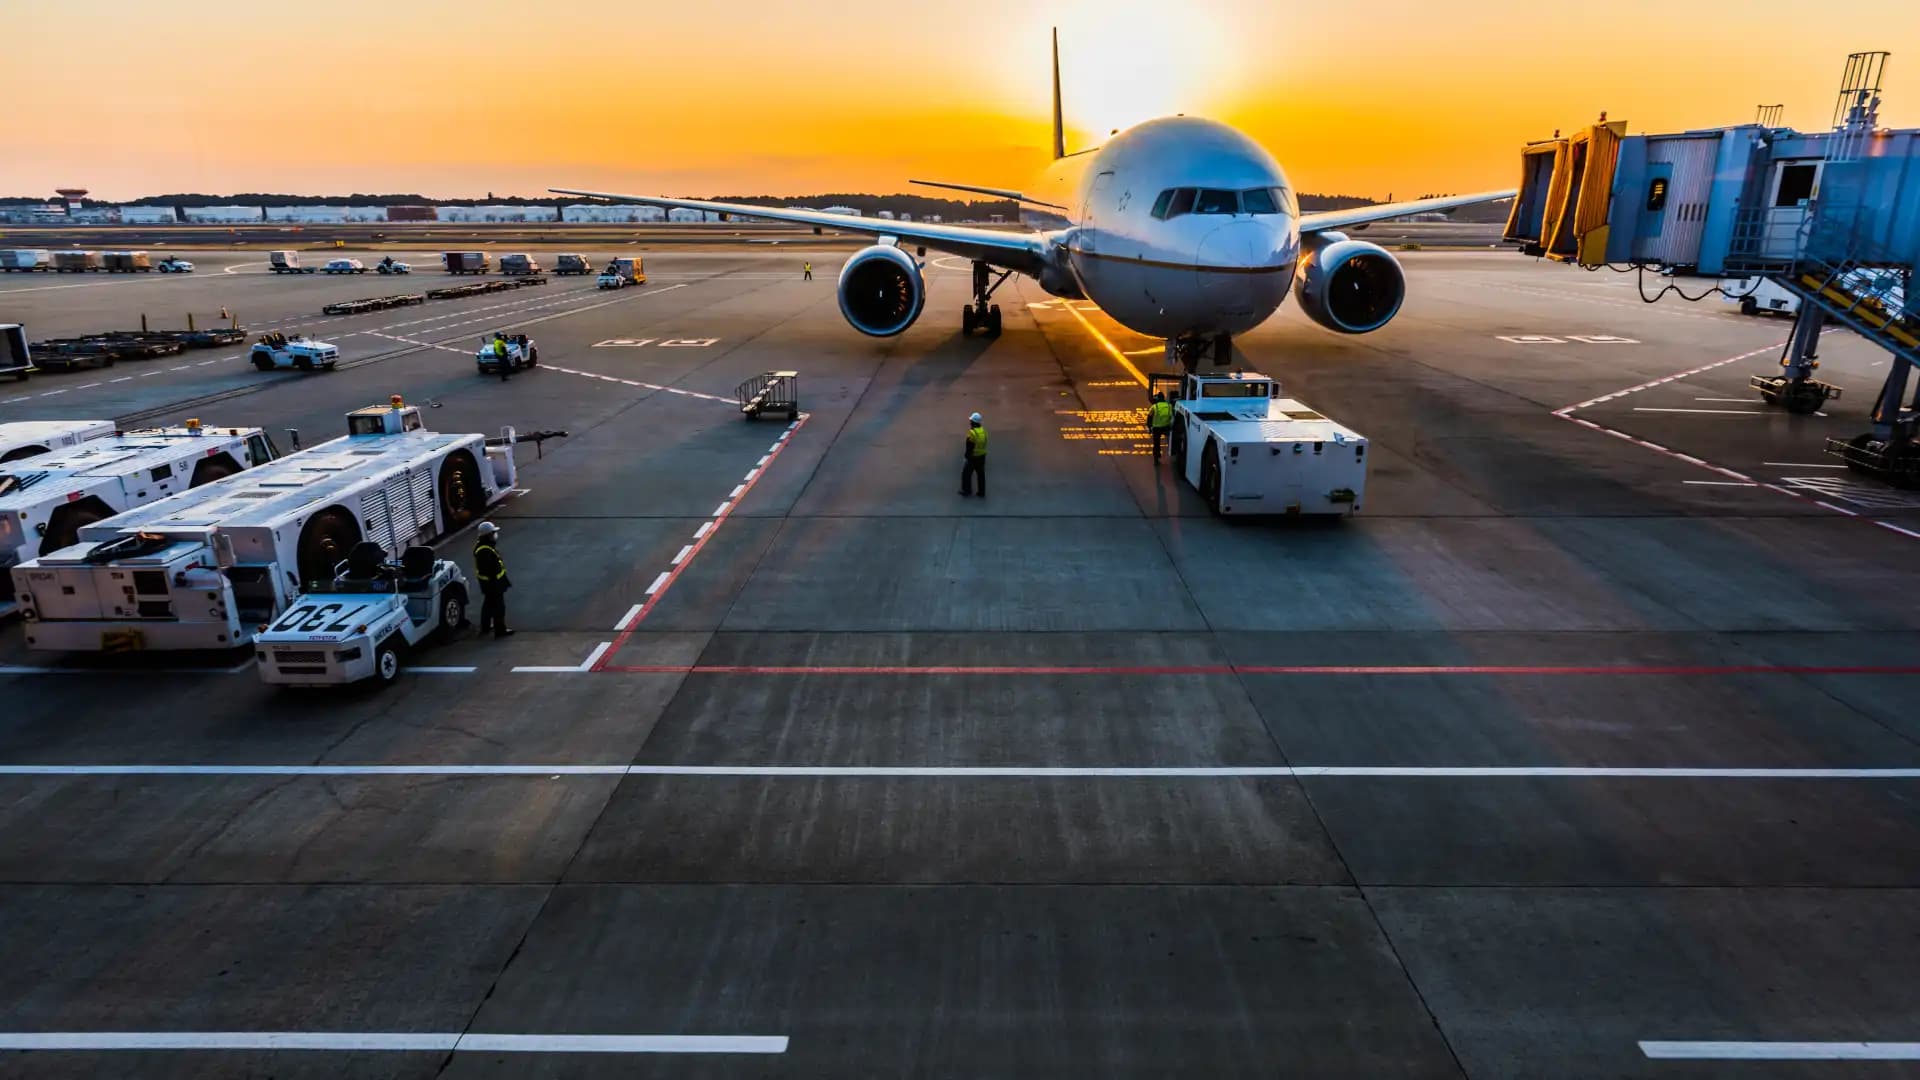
[
  {"x": 1259, "y": 201},
  {"x": 1160, "y": 204},
  {"x": 1216, "y": 201},
  {"x": 1173, "y": 202}
]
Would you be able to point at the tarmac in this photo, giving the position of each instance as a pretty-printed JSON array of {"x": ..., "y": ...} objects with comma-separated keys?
[{"x": 1586, "y": 749}]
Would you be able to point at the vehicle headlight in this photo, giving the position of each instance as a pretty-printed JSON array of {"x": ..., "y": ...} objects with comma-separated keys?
[{"x": 345, "y": 655}]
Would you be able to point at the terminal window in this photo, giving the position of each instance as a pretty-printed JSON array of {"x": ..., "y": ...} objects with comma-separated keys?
[{"x": 1657, "y": 194}]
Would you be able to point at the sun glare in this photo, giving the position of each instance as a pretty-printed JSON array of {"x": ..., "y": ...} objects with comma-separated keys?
[{"x": 1125, "y": 61}]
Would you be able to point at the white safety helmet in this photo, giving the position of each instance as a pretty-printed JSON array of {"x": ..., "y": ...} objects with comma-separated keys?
[
  {"x": 974, "y": 419},
  {"x": 488, "y": 528}
]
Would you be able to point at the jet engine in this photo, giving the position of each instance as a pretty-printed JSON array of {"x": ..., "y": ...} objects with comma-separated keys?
[
  {"x": 1348, "y": 285},
  {"x": 881, "y": 291}
]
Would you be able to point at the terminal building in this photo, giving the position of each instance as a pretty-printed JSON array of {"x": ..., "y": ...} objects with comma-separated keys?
[{"x": 1831, "y": 217}]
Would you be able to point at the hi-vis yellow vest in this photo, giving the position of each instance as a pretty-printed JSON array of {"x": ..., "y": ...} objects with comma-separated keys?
[
  {"x": 1161, "y": 415},
  {"x": 977, "y": 441}
]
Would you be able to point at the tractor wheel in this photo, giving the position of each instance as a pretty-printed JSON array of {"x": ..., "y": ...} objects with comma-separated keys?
[
  {"x": 325, "y": 540},
  {"x": 65, "y": 523},
  {"x": 262, "y": 361},
  {"x": 302, "y": 363},
  {"x": 462, "y": 497},
  {"x": 453, "y": 612},
  {"x": 386, "y": 664},
  {"x": 1210, "y": 480},
  {"x": 207, "y": 470}
]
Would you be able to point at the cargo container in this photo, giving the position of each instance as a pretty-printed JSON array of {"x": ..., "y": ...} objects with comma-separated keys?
[
  {"x": 467, "y": 262},
  {"x": 76, "y": 262},
  {"x": 126, "y": 262},
  {"x": 519, "y": 263},
  {"x": 25, "y": 260},
  {"x": 568, "y": 265},
  {"x": 287, "y": 262}
]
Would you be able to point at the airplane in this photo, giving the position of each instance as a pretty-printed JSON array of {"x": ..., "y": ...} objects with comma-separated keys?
[{"x": 1178, "y": 228}]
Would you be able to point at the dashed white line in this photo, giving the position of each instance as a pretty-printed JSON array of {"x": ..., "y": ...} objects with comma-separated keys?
[
  {"x": 411, "y": 1041},
  {"x": 703, "y": 530},
  {"x": 1200, "y": 772},
  {"x": 721, "y": 510},
  {"x": 657, "y": 582},
  {"x": 681, "y": 557},
  {"x": 1684, "y": 1050},
  {"x": 626, "y": 621}
]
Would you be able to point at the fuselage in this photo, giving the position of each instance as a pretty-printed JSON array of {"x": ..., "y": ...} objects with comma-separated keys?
[{"x": 1178, "y": 226}]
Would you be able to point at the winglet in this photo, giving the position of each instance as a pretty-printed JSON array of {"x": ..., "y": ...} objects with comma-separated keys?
[{"x": 1059, "y": 130}]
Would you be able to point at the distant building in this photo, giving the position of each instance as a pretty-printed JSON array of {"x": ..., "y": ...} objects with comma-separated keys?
[
  {"x": 499, "y": 213},
  {"x": 885, "y": 215},
  {"x": 413, "y": 213},
  {"x": 221, "y": 215},
  {"x": 611, "y": 212},
  {"x": 682, "y": 214},
  {"x": 307, "y": 215},
  {"x": 148, "y": 215},
  {"x": 366, "y": 213}
]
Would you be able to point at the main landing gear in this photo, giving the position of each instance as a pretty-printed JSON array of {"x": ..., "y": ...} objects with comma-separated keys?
[
  {"x": 1187, "y": 352},
  {"x": 980, "y": 315}
]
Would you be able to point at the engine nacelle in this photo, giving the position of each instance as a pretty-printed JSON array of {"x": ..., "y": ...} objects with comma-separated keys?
[
  {"x": 1348, "y": 285},
  {"x": 881, "y": 291}
]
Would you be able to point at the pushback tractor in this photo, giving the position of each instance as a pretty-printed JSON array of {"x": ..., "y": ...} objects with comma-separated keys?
[
  {"x": 1248, "y": 450},
  {"x": 208, "y": 568},
  {"x": 361, "y": 625},
  {"x": 26, "y": 438}
]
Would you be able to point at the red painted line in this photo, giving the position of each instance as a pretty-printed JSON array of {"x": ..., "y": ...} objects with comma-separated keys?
[
  {"x": 698, "y": 545},
  {"x": 1263, "y": 669}
]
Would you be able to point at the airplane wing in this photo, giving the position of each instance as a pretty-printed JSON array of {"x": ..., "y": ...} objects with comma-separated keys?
[
  {"x": 1023, "y": 251},
  {"x": 1360, "y": 215},
  {"x": 998, "y": 193}
]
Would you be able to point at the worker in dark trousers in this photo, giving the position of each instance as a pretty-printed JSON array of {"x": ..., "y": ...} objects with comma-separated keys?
[
  {"x": 1159, "y": 421},
  {"x": 500, "y": 356},
  {"x": 806, "y": 271},
  {"x": 491, "y": 569},
  {"x": 976, "y": 461}
]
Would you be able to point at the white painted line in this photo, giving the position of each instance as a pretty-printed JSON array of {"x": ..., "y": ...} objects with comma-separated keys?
[
  {"x": 1728, "y": 400},
  {"x": 762, "y": 463},
  {"x": 593, "y": 657},
  {"x": 682, "y": 557},
  {"x": 657, "y": 582},
  {"x": 1802, "y": 465},
  {"x": 1836, "y": 509},
  {"x": 1782, "y": 1051},
  {"x": 542, "y": 669},
  {"x": 123, "y": 378},
  {"x": 1412, "y": 772},
  {"x": 627, "y": 619},
  {"x": 52, "y": 393},
  {"x": 705, "y": 528},
  {"x": 1721, "y": 483},
  {"x": 1714, "y": 412},
  {"x": 1898, "y": 529},
  {"x": 721, "y": 510},
  {"x": 735, "y": 493},
  {"x": 440, "y": 670},
  {"x": 88, "y": 386},
  {"x": 753, "y": 472},
  {"x": 352, "y": 1041}
]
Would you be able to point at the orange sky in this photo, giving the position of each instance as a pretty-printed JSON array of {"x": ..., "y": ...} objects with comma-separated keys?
[{"x": 459, "y": 97}]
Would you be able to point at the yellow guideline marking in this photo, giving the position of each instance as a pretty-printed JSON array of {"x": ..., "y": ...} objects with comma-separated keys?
[{"x": 1110, "y": 347}]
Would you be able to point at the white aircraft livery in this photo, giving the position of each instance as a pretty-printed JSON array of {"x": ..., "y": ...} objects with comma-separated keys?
[{"x": 1179, "y": 228}]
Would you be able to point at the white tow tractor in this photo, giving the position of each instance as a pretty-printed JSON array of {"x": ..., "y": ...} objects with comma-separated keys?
[
  {"x": 277, "y": 350},
  {"x": 521, "y": 353},
  {"x": 391, "y": 265},
  {"x": 364, "y": 624},
  {"x": 1248, "y": 450},
  {"x": 173, "y": 264},
  {"x": 25, "y": 438}
]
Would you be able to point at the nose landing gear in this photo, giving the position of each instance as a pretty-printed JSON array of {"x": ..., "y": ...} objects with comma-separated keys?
[
  {"x": 980, "y": 315},
  {"x": 1187, "y": 352}
]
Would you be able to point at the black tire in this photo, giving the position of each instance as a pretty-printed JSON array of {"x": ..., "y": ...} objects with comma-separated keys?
[
  {"x": 386, "y": 664},
  {"x": 1803, "y": 400},
  {"x": 324, "y": 541},
  {"x": 21, "y": 452},
  {"x": 65, "y": 523},
  {"x": 462, "y": 498},
  {"x": 533, "y": 357},
  {"x": 207, "y": 470},
  {"x": 1210, "y": 479},
  {"x": 966, "y": 321},
  {"x": 302, "y": 363},
  {"x": 1177, "y": 448},
  {"x": 1749, "y": 306},
  {"x": 263, "y": 362},
  {"x": 453, "y": 611},
  {"x": 993, "y": 321}
]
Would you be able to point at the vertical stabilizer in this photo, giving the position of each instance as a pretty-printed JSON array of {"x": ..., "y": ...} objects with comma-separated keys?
[{"x": 1059, "y": 130}]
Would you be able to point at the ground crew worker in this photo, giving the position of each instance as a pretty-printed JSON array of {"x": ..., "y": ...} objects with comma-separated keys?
[
  {"x": 1159, "y": 421},
  {"x": 491, "y": 569},
  {"x": 500, "y": 356},
  {"x": 806, "y": 271},
  {"x": 976, "y": 460}
]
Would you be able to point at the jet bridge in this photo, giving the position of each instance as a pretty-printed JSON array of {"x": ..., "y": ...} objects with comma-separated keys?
[{"x": 1832, "y": 217}]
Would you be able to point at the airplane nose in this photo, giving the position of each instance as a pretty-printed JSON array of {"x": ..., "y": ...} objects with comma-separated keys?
[{"x": 1238, "y": 245}]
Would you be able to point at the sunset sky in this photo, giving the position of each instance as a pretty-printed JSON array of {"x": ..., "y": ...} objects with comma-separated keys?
[{"x": 455, "y": 99}]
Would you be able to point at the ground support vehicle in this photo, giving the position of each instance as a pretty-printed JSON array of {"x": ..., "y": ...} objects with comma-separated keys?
[
  {"x": 211, "y": 567},
  {"x": 287, "y": 262},
  {"x": 299, "y": 353},
  {"x": 173, "y": 264},
  {"x": 45, "y": 500},
  {"x": 364, "y": 624},
  {"x": 571, "y": 265},
  {"x": 16, "y": 356},
  {"x": 621, "y": 273},
  {"x": 26, "y": 438},
  {"x": 391, "y": 265},
  {"x": 521, "y": 353},
  {"x": 376, "y": 303},
  {"x": 344, "y": 266},
  {"x": 519, "y": 264},
  {"x": 467, "y": 262},
  {"x": 1249, "y": 451}
]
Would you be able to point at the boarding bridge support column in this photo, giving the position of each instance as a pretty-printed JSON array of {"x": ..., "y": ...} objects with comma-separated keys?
[{"x": 1794, "y": 387}]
